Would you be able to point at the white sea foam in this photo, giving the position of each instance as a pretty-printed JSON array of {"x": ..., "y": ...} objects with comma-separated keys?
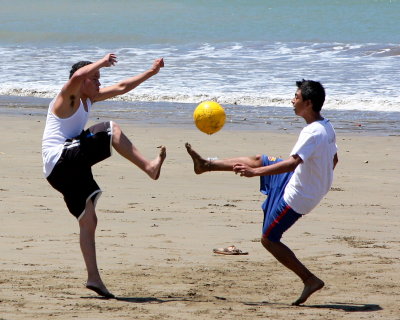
[
  {"x": 345, "y": 103},
  {"x": 356, "y": 76}
]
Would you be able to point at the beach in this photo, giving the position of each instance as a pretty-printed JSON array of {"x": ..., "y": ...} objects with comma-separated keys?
[{"x": 155, "y": 238}]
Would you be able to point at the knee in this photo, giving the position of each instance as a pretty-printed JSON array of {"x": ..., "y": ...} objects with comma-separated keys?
[
  {"x": 267, "y": 244},
  {"x": 88, "y": 222},
  {"x": 116, "y": 133},
  {"x": 116, "y": 129},
  {"x": 257, "y": 159}
]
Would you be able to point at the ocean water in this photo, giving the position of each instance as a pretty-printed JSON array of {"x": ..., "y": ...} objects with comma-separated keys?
[{"x": 245, "y": 54}]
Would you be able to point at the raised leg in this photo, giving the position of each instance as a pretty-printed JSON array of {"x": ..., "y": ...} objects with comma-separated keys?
[
  {"x": 87, "y": 225},
  {"x": 202, "y": 165},
  {"x": 125, "y": 148},
  {"x": 286, "y": 256}
]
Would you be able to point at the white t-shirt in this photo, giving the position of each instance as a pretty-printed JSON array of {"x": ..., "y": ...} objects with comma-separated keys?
[
  {"x": 57, "y": 131},
  {"x": 312, "y": 179}
]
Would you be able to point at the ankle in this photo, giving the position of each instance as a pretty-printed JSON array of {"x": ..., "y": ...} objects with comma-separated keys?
[{"x": 209, "y": 163}]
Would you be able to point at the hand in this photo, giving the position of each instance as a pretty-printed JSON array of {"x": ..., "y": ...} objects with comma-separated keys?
[
  {"x": 157, "y": 64},
  {"x": 244, "y": 170},
  {"x": 109, "y": 60}
]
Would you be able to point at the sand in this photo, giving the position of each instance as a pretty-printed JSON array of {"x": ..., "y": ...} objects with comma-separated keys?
[{"x": 155, "y": 239}]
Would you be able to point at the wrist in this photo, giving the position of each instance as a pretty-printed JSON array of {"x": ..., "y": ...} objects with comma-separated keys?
[
  {"x": 103, "y": 63},
  {"x": 258, "y": 172},
  {"x": 151, "y": 72}
]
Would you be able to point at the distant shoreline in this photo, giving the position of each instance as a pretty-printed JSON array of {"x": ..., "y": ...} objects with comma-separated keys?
[{"x": 168, "y": 114}]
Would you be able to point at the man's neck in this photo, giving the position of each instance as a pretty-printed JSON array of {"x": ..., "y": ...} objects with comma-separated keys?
[{"x": 312, "y": 117}]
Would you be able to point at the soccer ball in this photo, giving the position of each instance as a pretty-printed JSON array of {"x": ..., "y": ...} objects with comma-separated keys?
[{"x": 209, "y": 117}]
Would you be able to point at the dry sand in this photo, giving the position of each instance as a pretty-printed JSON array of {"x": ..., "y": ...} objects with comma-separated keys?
[{"x": 155, "y": 239}]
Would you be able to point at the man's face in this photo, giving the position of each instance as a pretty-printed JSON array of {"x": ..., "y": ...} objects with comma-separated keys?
[
  {"x": 300, "y": 105},
  {"x": 91, "y": 86}
]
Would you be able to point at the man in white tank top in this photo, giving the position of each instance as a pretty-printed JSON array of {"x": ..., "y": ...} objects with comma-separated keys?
[
  {"x": 69, "y": 151},
  {"x": 294, "y": 186}
]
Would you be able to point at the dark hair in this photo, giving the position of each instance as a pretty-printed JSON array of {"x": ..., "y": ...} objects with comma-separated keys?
[
  {"x": 77, "y": 66},
  {"x": 314, "y": 91}
]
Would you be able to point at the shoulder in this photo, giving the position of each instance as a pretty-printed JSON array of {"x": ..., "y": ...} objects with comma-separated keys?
[
  {"x": 321, "y": 132},
  {"x": 318, "y": 127},
  {"x": 311, "y": 133}
]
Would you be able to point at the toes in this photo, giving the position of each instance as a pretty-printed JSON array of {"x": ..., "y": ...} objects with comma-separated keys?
[
  {"x": 297, "y": 302},
  {"x": 163, "y": 151},
  {"x": 101, "y": 291}
]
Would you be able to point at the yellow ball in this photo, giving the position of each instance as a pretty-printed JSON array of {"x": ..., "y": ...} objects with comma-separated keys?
[{"x": 209, "y": 117}]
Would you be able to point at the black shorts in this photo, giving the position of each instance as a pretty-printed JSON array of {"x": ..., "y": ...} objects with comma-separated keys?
[{"x": 72, "y": 174}]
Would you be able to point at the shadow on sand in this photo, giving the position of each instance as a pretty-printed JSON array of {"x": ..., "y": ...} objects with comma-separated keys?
[
  {"x": 141, "y": 299},
  {"x": 348, "y": 307}
]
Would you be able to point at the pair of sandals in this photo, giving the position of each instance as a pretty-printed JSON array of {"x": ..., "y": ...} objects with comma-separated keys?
[{"x": 231, "y": 250}]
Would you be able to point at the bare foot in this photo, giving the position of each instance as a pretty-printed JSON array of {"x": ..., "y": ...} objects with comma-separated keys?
[
  {"x": 100, "y": 289},
  {"x": 157, "y": 163},
  {"x": 200, "y": 165},
  {"x": 311, "y": 285}
]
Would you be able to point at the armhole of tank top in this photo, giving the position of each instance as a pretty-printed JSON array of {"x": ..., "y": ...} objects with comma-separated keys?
[
  {"x": 62, "y": 119},
  {"x": 89, "y": 103},
  {"x": 51, "y": 106}
]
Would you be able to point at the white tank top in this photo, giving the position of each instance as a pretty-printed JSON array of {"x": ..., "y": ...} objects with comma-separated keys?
[{"x": 58, "y": 130}]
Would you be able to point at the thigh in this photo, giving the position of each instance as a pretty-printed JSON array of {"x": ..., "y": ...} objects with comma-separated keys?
[
  {"x": 273, "y": 183},
  {"x": 279, "y": 218},
  {"x": 72, "y": 176},
  {"x": 96, "y": 142}
]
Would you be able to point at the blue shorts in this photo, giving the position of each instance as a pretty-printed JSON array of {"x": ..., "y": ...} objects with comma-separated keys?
[{"x": 278, "y": 215}]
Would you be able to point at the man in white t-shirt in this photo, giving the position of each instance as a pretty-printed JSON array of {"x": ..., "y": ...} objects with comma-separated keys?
[
  {"x": 293, "y": 186},
  {"x": 69, "y": 150}
]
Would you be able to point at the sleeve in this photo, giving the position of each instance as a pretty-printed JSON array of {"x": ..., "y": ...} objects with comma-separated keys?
[{"x": 304, "y": 146}]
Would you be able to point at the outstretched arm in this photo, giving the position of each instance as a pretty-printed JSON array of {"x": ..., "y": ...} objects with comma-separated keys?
[
  {"x": 287, "y": 165},
  {"x": 129, "y": 84},
  {"x": 69, "y": 98}
]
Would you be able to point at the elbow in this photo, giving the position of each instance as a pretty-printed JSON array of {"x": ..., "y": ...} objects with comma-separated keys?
[
  {"x": 77, "y": 77},
  {"x": 292, "y": 166},
  {"x": 80, "y": 74},
  {"x": 335, "y": 161},
  {"x": 295, "y": 160},
  {"x": 123, "y": 87}
]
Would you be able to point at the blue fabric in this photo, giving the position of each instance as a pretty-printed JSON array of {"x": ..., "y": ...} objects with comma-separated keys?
[
  {"x": 273, "y": 186},
  {"x": 279, "y": 219}
]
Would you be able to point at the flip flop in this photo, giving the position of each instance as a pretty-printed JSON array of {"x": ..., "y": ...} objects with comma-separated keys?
[
  {"x": 101, "y": 292},
  {"x": 231, "y": 250}
]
